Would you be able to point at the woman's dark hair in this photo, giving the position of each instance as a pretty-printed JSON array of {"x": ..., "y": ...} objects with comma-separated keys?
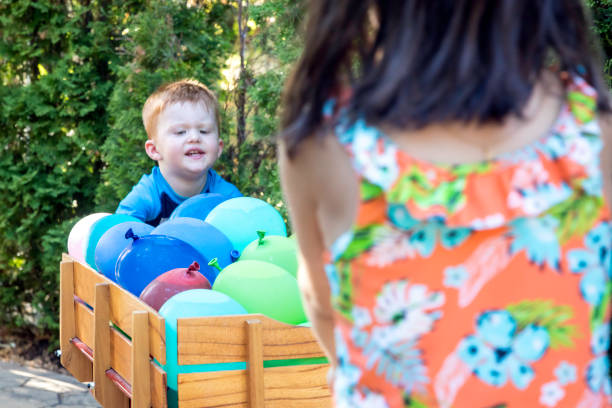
[{"x": 410, "y": 63}]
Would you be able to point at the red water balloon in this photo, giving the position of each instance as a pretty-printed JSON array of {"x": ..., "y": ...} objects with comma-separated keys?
[{"x": 172, "y": 282}]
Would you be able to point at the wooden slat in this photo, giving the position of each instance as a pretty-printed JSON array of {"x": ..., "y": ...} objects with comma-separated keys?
[
  {"x": 84, "y": 319},
  {"x": 121, "y": 358},
  {"x": 123, "y": 304},
  {"x": 255, "y": 363},
  {"x": 106, "y": 393},
  {"x": 293, "y": 386},
  {"x": 140, "y": 378},
  {"x": 204, "y": 340},
  {"x": 74, "y": 361}
]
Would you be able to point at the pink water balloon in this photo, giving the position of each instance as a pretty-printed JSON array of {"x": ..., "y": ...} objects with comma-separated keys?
[{"x": 79, "y": 235}]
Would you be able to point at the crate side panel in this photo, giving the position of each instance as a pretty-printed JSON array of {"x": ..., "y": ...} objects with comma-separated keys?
[
  {"x": 227, "y": 389},
  {"x": 297, "y": 386},
  {"x": 293, "y": 386},
  {"x": 122, "y": 305},
  {"x": 121, "y": 361},
  {"x": 204, "y": 340},
  {"x": 85, "y": 281}
]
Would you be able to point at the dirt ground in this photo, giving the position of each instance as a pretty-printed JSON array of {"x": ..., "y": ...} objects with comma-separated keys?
[{"x": 24, "y": 348}]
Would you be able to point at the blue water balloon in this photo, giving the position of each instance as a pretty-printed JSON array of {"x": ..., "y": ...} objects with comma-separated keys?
[
  {"x": 113, "y": 242},
  {"x": 198, "y": 206},
  {"x": 240, "y": 218},
  {"x": 98, "y": 229},
  {"x": 149, "y": 256},
  {"x": 208, "y": 240}
]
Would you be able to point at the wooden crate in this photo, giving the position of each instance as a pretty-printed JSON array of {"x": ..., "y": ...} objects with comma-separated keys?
[{"x": 109, "y": 336}]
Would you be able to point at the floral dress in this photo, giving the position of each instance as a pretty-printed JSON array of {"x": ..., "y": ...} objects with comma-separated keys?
[{"x": 476, "y": 285}]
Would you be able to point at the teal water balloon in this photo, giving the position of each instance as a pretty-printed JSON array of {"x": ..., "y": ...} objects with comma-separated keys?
[
  {"x": 192, "y": 303},
  {"x": 98, "y": 229},
  {"x": 240, "y": 218}
]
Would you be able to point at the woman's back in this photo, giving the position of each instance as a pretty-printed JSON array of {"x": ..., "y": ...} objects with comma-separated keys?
[
  {"x": 482, "y": 283},
  {"x": 460, "y": 285}
]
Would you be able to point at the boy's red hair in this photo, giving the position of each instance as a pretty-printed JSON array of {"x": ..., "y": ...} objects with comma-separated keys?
[{"x": 185, "y": 90}]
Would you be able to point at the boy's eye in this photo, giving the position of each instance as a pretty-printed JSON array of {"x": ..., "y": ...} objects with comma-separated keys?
[
  {"x": 180, "y": 132},
  {"x": 202, "y": 131}
]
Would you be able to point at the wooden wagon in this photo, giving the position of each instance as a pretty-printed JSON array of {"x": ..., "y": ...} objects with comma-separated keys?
[{"x": 111, "y": 338}]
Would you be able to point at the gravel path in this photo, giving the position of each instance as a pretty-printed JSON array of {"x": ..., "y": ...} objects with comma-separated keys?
[{"x": 26, "y": 387}]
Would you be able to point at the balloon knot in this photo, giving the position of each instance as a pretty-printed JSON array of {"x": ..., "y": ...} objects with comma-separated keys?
[
  {"x": 261, "y": 235},
  {"x": 215, "y": 263},
  {"x": 129, "y": 234},
  {"x": 194, "y": 267},
  {"x": 234, "y": 254}
]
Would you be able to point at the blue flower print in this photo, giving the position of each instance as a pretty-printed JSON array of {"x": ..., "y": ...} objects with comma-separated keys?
[
  {"x": 531, "y": 343},
  {"x": 496, "y": 369},
  {"x": 520, "y": 373},
  {"x": 346, "y": 375},
  {"x": 498, "y": 353},
  {"x": 340, "y": 245},
  {"x": 494, "y": 365},
  {"x": 593, "y": 185},
  {"x": 581, "y": 259},
  {"x": 566, "y": 373},
  {"x": 496, "y": 328},
  {"x": 377, "y": 166},
  {"x": 423, "y": 238},
  {"x": 472, "y": 350},
  {"x": 554, "y": 146},
  {"x": 599, "y": 240},
  {"x": 400, "y": 217},
  {"x": 492, "y": 372},
  {"x": 593, "y": 262},
  {"x": 597, "y": 374},
  {"x": 334, "y": 279},
  {"x": 600, "y": 339},
  {"x": 398, "y": 360},
  {"x": 455, "y": 276},
  {"x": 598, "y": 370},
  {"x": 593, "y": 285},
  {"x": 453, "y": 237},
  {"x": 537, "y": 236}
]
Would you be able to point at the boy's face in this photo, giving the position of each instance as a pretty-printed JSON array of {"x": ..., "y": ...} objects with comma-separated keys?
[{"x": 187, "y": 142}]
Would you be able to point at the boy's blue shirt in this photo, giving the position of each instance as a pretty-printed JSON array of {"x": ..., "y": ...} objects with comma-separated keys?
[{"x": 152, "y": 199}]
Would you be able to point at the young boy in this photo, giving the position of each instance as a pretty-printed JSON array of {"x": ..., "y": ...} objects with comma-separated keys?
[{"x": 182, "y": 122}]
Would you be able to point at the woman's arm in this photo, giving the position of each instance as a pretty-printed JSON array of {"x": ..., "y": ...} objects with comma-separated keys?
[{"x": 299, "y": 182}]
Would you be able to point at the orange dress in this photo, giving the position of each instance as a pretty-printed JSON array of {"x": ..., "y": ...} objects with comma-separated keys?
[{"x": 476, "y": 285}]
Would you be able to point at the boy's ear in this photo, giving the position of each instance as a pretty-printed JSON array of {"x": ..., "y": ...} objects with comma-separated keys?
[
  {"x": 151, "y": 150},
  {"x": 220, "y": 148}
]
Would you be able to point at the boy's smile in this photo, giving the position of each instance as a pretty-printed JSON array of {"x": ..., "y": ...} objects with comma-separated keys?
[{"x": 187, "y": 142}]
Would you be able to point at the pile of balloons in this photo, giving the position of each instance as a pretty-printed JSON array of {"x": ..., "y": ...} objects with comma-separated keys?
[
  {"x": 235, "y": 247},
  {"x": 213, "y": 257}
]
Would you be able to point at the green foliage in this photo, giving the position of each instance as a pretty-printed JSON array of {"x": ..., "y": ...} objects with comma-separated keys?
[
  {"x": 163, "y": 43},
  {"x": 576, "y": 215},
  {"x": 545, "y": 314},
  {"x": 54, "y": 60},
  {"x": 272, "y": 45},
  {"x": 602, "y": 24}
]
